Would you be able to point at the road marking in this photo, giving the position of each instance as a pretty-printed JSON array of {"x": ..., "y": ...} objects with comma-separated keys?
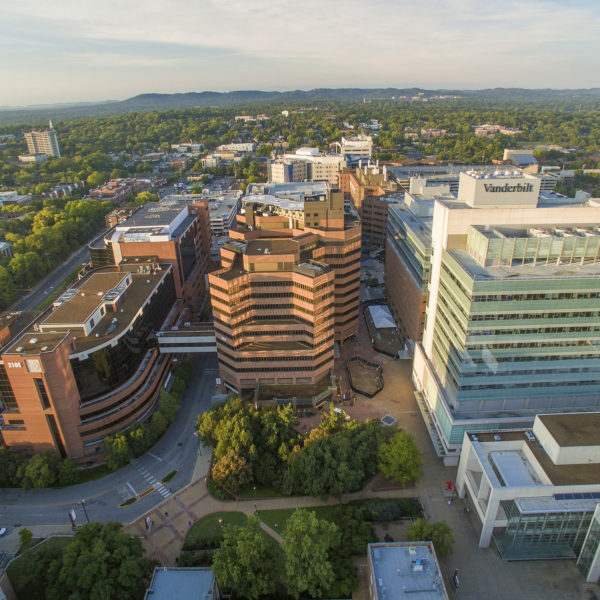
[
  {"x": 131, "y": 488},
  {"x": 154, "y": 456}
]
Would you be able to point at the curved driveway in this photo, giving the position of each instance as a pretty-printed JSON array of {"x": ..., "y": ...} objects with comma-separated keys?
[{"x": 177, "y": 449}]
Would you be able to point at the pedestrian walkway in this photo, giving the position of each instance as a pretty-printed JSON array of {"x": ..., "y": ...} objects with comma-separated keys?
[
  {"x": 164, "y": 491},
  {"x": 271, "y": 532}
]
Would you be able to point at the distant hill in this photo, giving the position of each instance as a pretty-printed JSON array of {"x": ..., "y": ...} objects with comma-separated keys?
[{"x": 148, "y": 102}]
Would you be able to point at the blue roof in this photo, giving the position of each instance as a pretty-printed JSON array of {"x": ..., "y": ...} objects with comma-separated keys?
[{"x": 181, "y": 583}]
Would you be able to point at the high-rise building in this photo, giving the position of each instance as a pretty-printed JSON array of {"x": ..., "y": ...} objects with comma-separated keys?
[
  {"x": 355, "y": 149},
  {"x": 306, "y": 164},
  {"x": 89, "y": 366},
  {"x": 512, "y": 322},
  {"x": 288, "y": 288},
  {"x": 175, "y": 231},
  {"x": 43, "y": 142}
]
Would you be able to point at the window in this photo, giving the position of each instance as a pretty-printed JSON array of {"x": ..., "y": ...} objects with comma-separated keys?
[{"x": 43, "y": 394}]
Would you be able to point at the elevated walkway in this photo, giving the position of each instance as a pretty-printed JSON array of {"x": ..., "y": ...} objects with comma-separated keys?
[{"x": 190, "y": 337}]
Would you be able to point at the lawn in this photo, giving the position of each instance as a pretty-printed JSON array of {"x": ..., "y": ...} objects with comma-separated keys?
[
  {"x": 281, "y": 515},
  {"x": 210, "y": 528},
  {"x": 19, "y": 568},
  {"x": 91, "y": 473}
]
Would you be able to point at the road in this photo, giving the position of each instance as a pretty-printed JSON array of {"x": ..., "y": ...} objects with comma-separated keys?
[
  {"x": 54, "y": 280},
  {"x": 177, "y": 449}
]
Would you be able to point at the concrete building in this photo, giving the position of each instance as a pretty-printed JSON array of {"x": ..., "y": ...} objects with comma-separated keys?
[
  {"x": 244, "y": 147},
  {"x": 172, "y": 231},
  {"x": 537, "y": 491},
  {"x": 404, "y": 569},
  {"x": 408, "y": 256},
  {"x": 519, "y": 157},
  {"x": 511, "y": 319},
  {"x": 43, "y": 142},
  {"x": 287, "y": 289},
  {"x": 355, "y": 149},
  {"x": 13, "y": 197},
  {"x": 182, "y": 583},
  {"x": 6, "y": 249},
  {"x": 118, "y": 190},
  {"x": 88, "y": 366},
  {"x": 306, "y": 164}
]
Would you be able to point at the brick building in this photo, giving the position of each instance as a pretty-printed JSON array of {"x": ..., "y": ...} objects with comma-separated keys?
[{"x": 287, "y": 289}]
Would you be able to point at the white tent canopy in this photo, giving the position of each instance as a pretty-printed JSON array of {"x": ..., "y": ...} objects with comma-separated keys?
[{"x": 382, "y": 317}]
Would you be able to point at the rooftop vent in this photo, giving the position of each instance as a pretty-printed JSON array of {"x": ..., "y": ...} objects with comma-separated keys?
[
  {"x": 474, "y": 438},
  {"x": 33, "y": 341},
  {"x": 19, "y": 348},
  {"x": 497, "y": 438},
  {"x": 529, "y": 435},
  {"x": 44, "y": 348}
]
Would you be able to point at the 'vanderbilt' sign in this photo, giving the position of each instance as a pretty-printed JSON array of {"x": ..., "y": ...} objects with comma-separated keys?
[{"x": 524, "y": 187}]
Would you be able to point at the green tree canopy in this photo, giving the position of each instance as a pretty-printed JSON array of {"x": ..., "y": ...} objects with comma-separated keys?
[
  {"x": 400, "y": 459},
  {"x": 306, "y": 545},
  {"x": 439, "y": 533},
  {"x": 102, "y": 562},
  {"x": 244, "y": 562}
]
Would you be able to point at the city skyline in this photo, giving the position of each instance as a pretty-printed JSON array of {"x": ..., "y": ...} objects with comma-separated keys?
[{"x": 77, "y": 52}]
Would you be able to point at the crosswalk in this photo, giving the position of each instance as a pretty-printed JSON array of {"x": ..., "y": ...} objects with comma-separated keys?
[{"x": 153, "y": 482}]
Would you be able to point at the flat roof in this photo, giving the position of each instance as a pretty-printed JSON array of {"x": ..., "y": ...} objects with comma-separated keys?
[
  {"x": 156, "y": 214},
  {"x": 573, "y": 429},
  {"x": 180, "y": 583},
  {"x": 271, "y": 246},
  {"x": 514, "y": 468},
  {"x": 581, "y": 474},
  {"x": 136, "y": 294},
  {"x": 406, "y": 569},
  {"x": 539, "y": 271},
  {"x": 90, "y": 295}
]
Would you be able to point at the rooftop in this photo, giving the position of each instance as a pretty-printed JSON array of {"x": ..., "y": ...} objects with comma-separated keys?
[
  {"x": 571, "y": 474},
  {"x": 111, "y": 325},
  {"x": 406, "y": 569},
  {"x": 573, "y": 429},
  {"x": 271, "y": 246},
  {"x": 523, "y": 272},
  {"x": 181, "y": 583},
  {"x": 156, "y": 214}
]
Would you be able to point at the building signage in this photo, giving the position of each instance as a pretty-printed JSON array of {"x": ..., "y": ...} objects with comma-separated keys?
[
  {"x": 520, "y": 187},
  {"x": 14, "y": 365}
]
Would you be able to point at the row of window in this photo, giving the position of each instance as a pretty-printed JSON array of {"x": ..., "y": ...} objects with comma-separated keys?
[
  {"x": 489, "y": 373},
  {"x": 524, "y": 385},
  {"x": 276, "y": 358},
  {"x": 274, "y": 369},
  {"x": 587, "y": 314},
  {"x": 548, "y": 344},
  {"x": 527, "y": 297},
  {"x": 535, "y": 330}
]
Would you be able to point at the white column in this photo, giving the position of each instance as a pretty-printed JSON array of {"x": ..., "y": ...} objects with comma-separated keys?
[{"x": 488, "y": 522}]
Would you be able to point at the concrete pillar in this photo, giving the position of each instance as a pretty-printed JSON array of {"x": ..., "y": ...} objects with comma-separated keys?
[{"x": 488, "y": 523}]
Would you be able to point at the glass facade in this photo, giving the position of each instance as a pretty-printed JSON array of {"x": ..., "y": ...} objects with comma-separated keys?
[
  {"x": 541, "y": 535},
  {"x": 511, "y": 345},
  {"x": 111, "y": 366},
  {"x": 7, "y": 396},
  {"x": 590, "y": 548}
]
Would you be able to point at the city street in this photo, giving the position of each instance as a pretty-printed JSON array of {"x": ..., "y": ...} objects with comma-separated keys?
[{"x": 178, "y": 449}]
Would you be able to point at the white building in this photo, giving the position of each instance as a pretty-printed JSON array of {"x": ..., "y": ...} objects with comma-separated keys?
[
  {"x": 43, "y": 142},
  {"x": 404, "y": 569},
  {"x": 537, "y": 492},
  {"x": 237, "y": 147},
  {"x": 306, "y": 164},
  {"x": 13, "y": 197},
  {"x": 354, "y": 149}
]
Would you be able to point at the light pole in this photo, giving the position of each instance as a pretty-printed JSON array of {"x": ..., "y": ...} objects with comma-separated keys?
[{"x": 84, "y": 510}]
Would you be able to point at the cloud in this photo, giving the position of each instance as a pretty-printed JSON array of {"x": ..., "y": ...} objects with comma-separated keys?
[{"x": 286, "y": 43}]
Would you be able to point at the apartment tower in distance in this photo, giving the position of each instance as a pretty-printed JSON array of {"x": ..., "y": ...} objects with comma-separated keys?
[
  {"x": 288, "y": 286},
  {"x": 512, "y": 325},
  {"x": 43, "y": 142}
]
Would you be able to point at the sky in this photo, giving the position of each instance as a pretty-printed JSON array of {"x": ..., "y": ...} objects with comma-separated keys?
[{"x": 82, "y": 50}]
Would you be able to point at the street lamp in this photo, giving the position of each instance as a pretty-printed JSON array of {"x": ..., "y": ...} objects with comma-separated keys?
[{"x": 84, "y": 510}]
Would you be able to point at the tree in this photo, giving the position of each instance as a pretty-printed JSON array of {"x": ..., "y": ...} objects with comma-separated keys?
[
  {"x": 244, "y": 562},
  {"x": 40, "y": 471},
  {"x": 306, "y": 545},
  {"x": 439, "y": 533},
  {"x": 25, "y": 537},
  {"x": 67, "y": 472},
  {"x": 101, "y": 562},
  {"x": 95, "y": 179},
  {"x": 145, "y": 197},
  {"x": 116, "y": 451},
  {"x": 232, "y": 471},
  {"x": 400, "y": 459}
]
